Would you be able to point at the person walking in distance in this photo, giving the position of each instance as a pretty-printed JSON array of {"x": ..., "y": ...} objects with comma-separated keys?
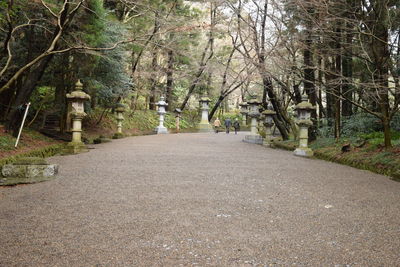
[
  {"x": 228, "y": 124},
  {"x": 217, "y": 124},
  {"x": 236, "y": 125}
]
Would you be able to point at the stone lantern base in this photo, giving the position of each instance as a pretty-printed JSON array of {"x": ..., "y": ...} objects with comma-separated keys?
[
  {"x": 303, "y": 152},
  {"x": 253, "y": 139},
  {"x": 161, "y": 130},
  {"x": 204, "y": 128},
  {"x": 75, "y": 148}
]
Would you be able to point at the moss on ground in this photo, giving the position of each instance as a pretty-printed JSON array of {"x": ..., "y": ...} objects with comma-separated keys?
[
  {"x": 287, "y": 144},
  {"x": 369, "y": 156},
  {"x": 42, "y": 152},
  {"x": 7, "y": 142},
  {"x": 139, "y": 122}
]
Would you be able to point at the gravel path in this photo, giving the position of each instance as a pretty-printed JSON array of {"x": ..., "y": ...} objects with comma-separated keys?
[{"x": 200, "y": 199}]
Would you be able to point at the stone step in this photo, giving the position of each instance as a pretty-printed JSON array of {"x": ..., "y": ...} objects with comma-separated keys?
[
  {"x": 55, "y": 134},
  {"x": 27, "y": 170}
]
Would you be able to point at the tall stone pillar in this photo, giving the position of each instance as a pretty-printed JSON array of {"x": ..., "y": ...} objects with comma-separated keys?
[
  {"x": 268, "y": 124},
  {"x": 77, "y": 99},
  {"x": 120, "y": 109},
  {"x": 304, "y": 110},
  {"x": 160, "y": 129},
  {"x": 204, "y": 125},
  {"x": 254, "y": 113}
]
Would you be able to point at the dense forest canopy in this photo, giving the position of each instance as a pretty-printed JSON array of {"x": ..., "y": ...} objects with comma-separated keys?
[{"x": 344, "y": 54}]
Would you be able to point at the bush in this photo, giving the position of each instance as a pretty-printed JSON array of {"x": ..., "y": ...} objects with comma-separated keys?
[
  {"x": 379, "y": 135},
  {"x": 325, "y": 131},
  {"x": 360, "y": 123}
]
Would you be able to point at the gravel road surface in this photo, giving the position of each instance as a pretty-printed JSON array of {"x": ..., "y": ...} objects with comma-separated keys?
[{"x": 200, "y": 200}]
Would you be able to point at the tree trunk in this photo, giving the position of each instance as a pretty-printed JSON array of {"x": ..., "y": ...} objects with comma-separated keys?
[
  {"x": 153, "y": 79},
  {"x": 330, "y": 99},
  {"x": 338, "y": 78},
  {"x": 279, "y": 118},
  {"x": 381, "y": 58},
  {"x": 6, "y": 98},
  {"x": 309, "y": 80},
  {"x": 216, "y": 106},
  {"x": 337, "y": 90},
  {"x": 321, "y": 109},
  {"x": 60, "y": 81},
  {"x": 170, "y": 80},
  {"x": 347, "y": 70},
  {"x": 386, "y": 132},
  {"x": 297, "y": 93},
  {"x": 15, "y": 116}
]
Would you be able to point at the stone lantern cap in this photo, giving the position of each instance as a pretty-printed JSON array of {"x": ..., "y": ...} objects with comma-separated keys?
[
  {"x": 254, "y": 113},
  {"x": 253, "y": 101},
  {"x": 205, "y": 99},
  {"x": 119, "y": 107},
  {"x": 178, "y": 112},
  {"x": 268, "y": 112},
  {"x": 162, "y": 102},
  {"x": 243, "y": 108},
  {"x": 78, "y": 94},
  {"x": 304, "y": 104},
  {"x": 267, "y": 116}
]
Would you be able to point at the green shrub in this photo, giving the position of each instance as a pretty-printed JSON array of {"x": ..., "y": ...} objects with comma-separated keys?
[
  {"x": 380, "y": 135},
  {"x": 325, "y": 131},
  {"x": 360, "y": 123}
]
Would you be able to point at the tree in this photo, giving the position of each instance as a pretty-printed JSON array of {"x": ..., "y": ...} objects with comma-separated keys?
[
  {"x": 252, "y": 26},
  {"x": 206, "y": 56},
  {"x": 57, "y": 26},
  {"x": 236, "y": 79}
]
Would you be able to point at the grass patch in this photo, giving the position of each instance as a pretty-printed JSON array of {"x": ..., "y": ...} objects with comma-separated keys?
[
  {"x": 140, "y": 122},
  {"x": 7, "y": 142},
  {"x": 370, "y": 156},
  {"x": 43, "y": 152}
]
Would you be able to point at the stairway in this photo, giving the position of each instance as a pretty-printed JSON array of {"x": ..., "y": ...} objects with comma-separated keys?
[
  {"x": 52, "y": 122},
  {"x": 51, "y": 127}
]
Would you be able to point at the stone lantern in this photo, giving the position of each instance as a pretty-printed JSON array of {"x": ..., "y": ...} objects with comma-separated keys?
[
  {"x": 244, "y": 111},
  {"x": 178, "y": 116},
  {"x": 160, "y": 129},
  {"x": 120, "y": 109},
  {"x": 304, "y": 110},
  {"x": 77, "y": 98},
  {"x": 268, "y": 115},
  {"x": 204, "y": 125},
  {"x": 254, "y": 113}
]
